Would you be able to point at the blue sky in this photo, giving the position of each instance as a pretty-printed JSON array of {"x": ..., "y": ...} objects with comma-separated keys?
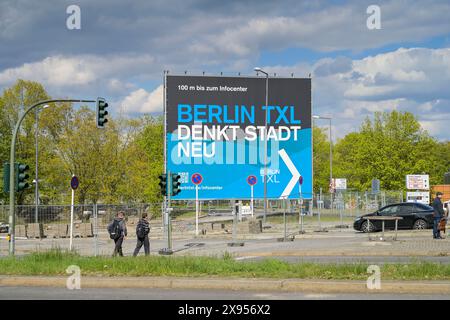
[{"x": 122, "y": 48}]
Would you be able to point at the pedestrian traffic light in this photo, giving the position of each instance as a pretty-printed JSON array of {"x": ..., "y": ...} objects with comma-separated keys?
[
  {"x": 163, "y": 184},
  {"x": 6, "y": 177},
  {"x": 21, "y": 176},
  {"x": 175, "y": 184},
  {"x": 101, "y": 112}
]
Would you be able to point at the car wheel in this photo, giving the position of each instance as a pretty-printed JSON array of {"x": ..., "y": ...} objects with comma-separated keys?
[
  {"x": 367, "y": 227},
  {"x": 420, "y": 224}
]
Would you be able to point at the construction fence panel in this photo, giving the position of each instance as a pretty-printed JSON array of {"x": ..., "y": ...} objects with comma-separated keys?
[{"x": 218, "y": 220}]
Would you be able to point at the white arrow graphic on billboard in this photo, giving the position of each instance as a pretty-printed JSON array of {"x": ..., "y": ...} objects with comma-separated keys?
[{"x": 295, "y": 174}]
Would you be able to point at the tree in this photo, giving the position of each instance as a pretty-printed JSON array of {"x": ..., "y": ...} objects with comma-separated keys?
[
  {"x": 388, "y": 148},
  {"x": 13, "y": 102},
  {"x": 151, "y": 143},
  {"x": 321, "y": 160}
]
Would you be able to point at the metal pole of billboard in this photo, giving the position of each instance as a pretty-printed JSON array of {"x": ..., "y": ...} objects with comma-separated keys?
[{"x": 265, "y": 142}]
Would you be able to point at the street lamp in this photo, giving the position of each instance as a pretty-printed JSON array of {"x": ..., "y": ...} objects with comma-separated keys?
[
  {"x": 331, "y": 147},
  {"x": 36, "y": 179},
  {"x": 257, "y": 69}
]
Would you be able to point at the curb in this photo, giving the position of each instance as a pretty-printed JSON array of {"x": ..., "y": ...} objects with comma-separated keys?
[{"x": 287, "y": 285}]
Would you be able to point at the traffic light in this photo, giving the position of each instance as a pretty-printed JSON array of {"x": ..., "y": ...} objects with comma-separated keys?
[
  {"x": 101, "y": 112},
  {"x": 6, "y": 177},
  {"x": 163, "y": 184},
  {"x": 21, "y": 176},
  {"x": 175, "y": 184}
]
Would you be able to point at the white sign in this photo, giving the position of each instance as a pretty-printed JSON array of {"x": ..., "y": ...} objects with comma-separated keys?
[
  {"x": 420, "y": 197},
  {"x": 246, "y": 210},
  {"x": 340, "y": 184},
  {"x": 418, "y": 182}
]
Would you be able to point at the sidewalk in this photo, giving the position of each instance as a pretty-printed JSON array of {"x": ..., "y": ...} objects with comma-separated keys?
[{"x": 282, "y": 285}]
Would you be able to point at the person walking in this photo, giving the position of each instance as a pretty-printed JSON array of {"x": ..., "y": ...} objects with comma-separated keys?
[
  {"x": 142, "y": 231},
  {"x": 437, "y": 215},
  {"x": 118, "y": 231}
]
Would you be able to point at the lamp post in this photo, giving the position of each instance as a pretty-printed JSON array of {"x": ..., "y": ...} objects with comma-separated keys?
[
  {"x": 257, "y": 69},
  {"x": 36, "y": 178},
  {"x": 331, "y": 147}
]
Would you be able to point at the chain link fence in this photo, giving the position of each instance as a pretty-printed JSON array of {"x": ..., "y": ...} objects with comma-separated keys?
[{"x": 223, "y": 221}]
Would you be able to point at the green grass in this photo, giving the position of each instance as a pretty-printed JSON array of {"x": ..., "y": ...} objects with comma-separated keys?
[{"x": 55, "y": 262}]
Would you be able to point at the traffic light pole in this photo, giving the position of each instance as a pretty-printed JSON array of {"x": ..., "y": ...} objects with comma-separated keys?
[
  {"x": 166, "y": 205},
  {"x": 169, "y": 193},
  {"x": 12, "y": 216}
]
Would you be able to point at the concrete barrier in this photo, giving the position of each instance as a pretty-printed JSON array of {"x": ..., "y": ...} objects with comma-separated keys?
[
  {"x": 35, "y": 230},
  {"x": 83, "y": 230},
  {"x": 21, "y": 231},
  {"x": 255, "y": 226},
  {"x": 132, "y": 221},
  {"x": 56, "y": 230}
]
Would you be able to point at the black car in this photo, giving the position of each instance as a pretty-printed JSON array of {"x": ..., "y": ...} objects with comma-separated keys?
[
  {"x": 4, "y": 228},
  {"x": 415, "y": 216}
]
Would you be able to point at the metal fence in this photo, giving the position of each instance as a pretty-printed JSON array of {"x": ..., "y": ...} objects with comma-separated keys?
[{"x": 49, "y": 226}]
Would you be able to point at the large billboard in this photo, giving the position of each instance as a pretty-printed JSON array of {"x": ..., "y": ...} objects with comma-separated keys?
[{"x": 216, "y": 127}]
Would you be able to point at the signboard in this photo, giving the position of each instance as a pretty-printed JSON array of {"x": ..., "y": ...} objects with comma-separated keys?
[
  {"x": 217, "y": 126},
  {"x": 251, "y": 180},
  {"x": 246, "y": 210},
  {"x": 418, "y": 182},
  {"x": 74, "y": 183},
  {"x": 375, "y": 186},
  {"x": 340, "y": 184},
  {"x": 196, "y": 178},
  {"x": 420, "y": 197}
]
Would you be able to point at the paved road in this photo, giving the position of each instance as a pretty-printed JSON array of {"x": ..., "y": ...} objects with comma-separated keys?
[
  {"x": 37, "y": 293},
  {"x": 338, "y": 246}
]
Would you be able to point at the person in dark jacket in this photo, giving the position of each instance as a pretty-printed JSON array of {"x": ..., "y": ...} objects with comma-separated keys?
[
  {"x": 118, "y": 240},
  {"x": 437, "y": 215},
  {"x": 142, "y": 231}
]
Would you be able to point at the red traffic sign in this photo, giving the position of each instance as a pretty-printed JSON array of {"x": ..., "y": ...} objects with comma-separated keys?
[
  {"x": 196, "y": 178},
  {"x": 300, "y": 180},
  {"x": 251, "y": 180},
  {"x": 74, "y": 183}
]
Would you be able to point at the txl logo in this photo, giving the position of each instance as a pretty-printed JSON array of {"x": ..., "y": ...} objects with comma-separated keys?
[{"x": 272, "y": 175}]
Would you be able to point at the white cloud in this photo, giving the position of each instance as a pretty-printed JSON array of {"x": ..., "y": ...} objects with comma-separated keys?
[
  {"x": 84, "y": 70},
  {"x": 415, "y": 80},
  {"x": 142, "y": 101},
  {"x": 327, "y": 28}
]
